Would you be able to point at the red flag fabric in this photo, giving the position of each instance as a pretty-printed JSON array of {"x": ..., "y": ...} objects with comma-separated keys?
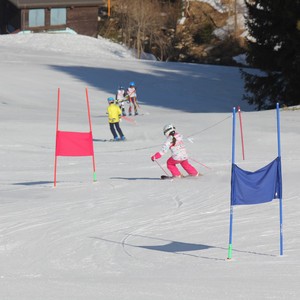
[{"x": 74, "y": 143}]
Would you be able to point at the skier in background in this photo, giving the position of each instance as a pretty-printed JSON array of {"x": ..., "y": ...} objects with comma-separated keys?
[
  {"x": 175, "y": 143},
  {"x": 132, "y": 97},
  {"x": 121, "y": 98},
  {"x": 114, "y": 114}
]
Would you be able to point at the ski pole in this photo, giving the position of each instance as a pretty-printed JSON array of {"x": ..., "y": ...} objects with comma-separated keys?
[
  {"x": 161, "y": 167},
  {"x": 200, "y": 163},
  {"x": 136, "y": 102}
]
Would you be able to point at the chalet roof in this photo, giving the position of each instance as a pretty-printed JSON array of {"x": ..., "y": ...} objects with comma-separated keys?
[{"x": 55, "y": 3}]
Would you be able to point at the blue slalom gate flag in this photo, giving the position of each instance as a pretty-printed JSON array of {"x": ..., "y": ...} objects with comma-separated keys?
[{"x": 260, "y": 186}]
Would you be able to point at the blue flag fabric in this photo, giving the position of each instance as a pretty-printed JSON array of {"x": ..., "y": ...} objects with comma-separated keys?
[{"x": 260, "y": 186}]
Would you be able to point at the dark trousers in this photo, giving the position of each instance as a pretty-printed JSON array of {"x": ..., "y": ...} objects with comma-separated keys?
[{"x": 115, "y": 126}]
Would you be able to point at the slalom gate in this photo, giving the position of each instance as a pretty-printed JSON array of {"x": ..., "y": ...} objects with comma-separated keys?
[
  {"x": 69, "y": 143},
  {"x": 257, "y": 187}
]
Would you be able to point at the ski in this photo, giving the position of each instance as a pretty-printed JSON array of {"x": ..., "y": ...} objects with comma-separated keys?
[
  {"x": 113, "y": 140},
  {"x": 109, "y": 140},
  {"x": 164, "y": 177}
]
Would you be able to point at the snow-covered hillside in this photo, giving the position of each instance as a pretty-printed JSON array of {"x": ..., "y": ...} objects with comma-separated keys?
[{"x": 130, "y": 235}]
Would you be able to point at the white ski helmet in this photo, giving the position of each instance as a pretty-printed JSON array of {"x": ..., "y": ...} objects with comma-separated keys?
[{"x": 168, "y": 129}]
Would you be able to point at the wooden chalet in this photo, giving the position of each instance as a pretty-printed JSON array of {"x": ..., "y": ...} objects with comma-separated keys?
[{"x": 80, "y": 16}]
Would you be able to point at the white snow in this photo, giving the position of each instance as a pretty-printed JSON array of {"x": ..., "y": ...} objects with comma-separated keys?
[
  {"x": 216, "y": 4},
  {"x": 222, "y": 7},
  {"x": 237, "y": 7},
  {"x": 131, "y": 236},
  {"x": 241, "y": 59}
]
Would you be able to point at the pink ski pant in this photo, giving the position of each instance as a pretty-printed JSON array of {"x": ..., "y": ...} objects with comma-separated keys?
[{"x": 171, "y": 165}]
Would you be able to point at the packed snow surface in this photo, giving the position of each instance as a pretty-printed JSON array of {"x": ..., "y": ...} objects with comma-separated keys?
[{"x": 130, "y": 235}]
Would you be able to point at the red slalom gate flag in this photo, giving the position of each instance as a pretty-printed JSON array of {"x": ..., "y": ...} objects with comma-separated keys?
[{"x": 74, "y": 143}]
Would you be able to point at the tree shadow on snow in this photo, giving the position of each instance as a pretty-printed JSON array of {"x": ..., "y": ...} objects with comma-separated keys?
[{"x": 191, "y": 88}]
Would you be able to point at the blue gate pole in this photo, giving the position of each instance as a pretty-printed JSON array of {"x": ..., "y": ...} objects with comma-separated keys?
[
  {"x": 280, "y": 199},
  {"x": 231, "y": 206}
]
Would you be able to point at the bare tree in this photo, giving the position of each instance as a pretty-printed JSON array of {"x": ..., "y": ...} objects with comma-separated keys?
[
  {"x": 146, "y": 18},
  {"x": 145, "y": 25},
  {"x": 142, "y": 24}
]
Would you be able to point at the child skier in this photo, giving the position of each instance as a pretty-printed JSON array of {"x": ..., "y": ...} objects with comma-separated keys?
[
  {"x": 174, "y": 142},
  {"x": 132, "y": 97},
  {"x": 114, "y": 113},
  {"x": 121, "y": 98}
]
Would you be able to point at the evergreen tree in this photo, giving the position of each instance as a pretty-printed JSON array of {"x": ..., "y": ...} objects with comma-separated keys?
[{"x": 274, "y": 48}]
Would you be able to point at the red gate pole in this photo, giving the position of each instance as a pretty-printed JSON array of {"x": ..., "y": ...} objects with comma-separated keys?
[
  {"x": 241, "y": 129},
  {"x": 90, "y": 123},
  {"x": 57, "y": 118}
]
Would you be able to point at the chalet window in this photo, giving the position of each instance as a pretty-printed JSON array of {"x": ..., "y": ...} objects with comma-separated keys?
[
  {"x": 36, "y": 17},
  {"x": 58, "y": 16}
]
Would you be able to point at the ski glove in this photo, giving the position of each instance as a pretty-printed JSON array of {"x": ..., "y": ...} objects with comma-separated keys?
[{"x": 157, "y": 155}]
